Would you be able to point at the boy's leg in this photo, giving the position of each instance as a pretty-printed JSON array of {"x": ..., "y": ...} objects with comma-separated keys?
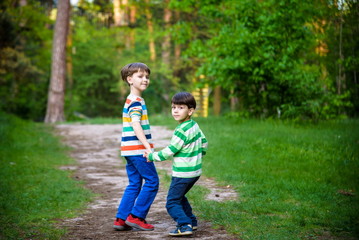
[
  {"x": 132, "y": 190},
  {"x": 179, "y": 187},
  {"x": 188, "y": 211},
  {"x": 147, "y": 195}
]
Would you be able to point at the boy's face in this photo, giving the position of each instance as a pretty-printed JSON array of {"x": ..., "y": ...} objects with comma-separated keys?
[
  {"x": 181, "y": 113},
  {"x": 139, "y": 81}
]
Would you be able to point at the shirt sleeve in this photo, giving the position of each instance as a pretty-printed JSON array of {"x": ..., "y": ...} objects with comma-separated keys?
[
  {"x": 204, "y": 144},
  {"x": 176, "y": 144},
  {"x": 135, "y": 111}
]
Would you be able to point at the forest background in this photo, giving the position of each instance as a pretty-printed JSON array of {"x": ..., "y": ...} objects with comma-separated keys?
[
  {"x": 265, "y": 59},
  {"x": 258, "y": 59}
]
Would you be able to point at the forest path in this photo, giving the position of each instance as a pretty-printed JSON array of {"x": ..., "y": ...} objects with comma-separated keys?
[{"x": 96, "y": 150}]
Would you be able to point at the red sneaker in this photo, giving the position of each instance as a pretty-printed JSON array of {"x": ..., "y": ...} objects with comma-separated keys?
[
  {"x": 120, "y": 225},
  {"x": 139, "y": 223}
]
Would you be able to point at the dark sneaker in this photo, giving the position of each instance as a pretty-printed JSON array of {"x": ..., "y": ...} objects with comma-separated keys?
[
  {"x": 194, "y": 225},
  {"x": 138, "y": 223},
  {"x": 120, "y": 225},
  {"x": 184, "y": 230}
]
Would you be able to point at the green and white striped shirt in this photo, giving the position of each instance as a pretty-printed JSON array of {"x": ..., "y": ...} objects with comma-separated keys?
[{"x": 188, "y": 146}]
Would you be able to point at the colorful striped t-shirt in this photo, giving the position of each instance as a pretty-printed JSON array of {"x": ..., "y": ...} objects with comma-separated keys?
[
  {"x": 188, "y": 146},
  {"x": 134, "y": 111}
]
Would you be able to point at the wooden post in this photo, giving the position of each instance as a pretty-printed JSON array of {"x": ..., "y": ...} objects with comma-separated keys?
[{"x": 217, "y": 101}]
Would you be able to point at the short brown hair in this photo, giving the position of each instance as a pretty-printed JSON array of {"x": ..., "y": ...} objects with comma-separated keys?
[
  {"x": 132, "y": 68},
  {"x": 184, "y": 98}
]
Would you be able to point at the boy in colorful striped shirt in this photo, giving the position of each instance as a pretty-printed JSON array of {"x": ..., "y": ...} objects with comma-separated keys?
[
  {"x": 188, "y": 146},
  {"x": 136, "y": 139}
]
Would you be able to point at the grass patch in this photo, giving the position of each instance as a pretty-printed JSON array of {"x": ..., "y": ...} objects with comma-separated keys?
[
  {"x": 290, "y": 178},
  {"x": 163, "y": 120},
  {"x": 295, "y": 181},
  {"x": 34, "y": 191},
  {"x": 98, "y": 120}
]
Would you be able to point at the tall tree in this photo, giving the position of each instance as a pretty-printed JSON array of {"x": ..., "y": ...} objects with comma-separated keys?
[
  {"x": 120, "y": 13},
  {"x": 130, "y": 40},
  {"x": 151, "y": 38},
  {"x": 166, "y": 44},
  {"x": 56, "y": 95},
  {"x": 217, "y": 101},
  {"x": 177, "y": 47}
]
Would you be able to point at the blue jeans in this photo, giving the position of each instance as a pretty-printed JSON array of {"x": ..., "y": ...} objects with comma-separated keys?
[
  {"x": 137, "y": 199},
  {"x": 177, "y": 204}
]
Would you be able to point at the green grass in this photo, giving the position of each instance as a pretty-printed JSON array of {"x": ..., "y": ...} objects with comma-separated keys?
[
  {"x": 288, "y": 177},
  {"x": 98, "y": 120},
  {"x": 34, "y": 191}
]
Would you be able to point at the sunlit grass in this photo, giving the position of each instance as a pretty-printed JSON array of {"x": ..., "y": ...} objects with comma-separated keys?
[
  {"x": 294, "y": 181},
  {"x": 290, "y": 178},
  {"x": 97, "y": 120},
  {"x": 34, "y": 191}
]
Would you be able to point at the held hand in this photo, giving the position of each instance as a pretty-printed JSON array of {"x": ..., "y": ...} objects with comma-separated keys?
[{"x": 147, "y": 152}]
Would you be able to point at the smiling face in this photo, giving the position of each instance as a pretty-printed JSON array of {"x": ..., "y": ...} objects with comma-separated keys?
[
  {"x": 181, "y": 112},
  {"x": 139, "y": 82}
]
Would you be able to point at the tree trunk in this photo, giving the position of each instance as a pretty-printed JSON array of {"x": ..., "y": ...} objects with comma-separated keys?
[
  {"x": 234, "y": 101},
  {"x": 340, "y": 67},
  {"x": 69, "y": 67},
  {"x": 150, "y": 31},
  {"x": 56, "y": 96},
  {"x": 133, "y": 13},
  {"x": 131, "y": 37},
  {"x": 119, "y": 12},
  {"x": 217, "y": 101},
  {"x": 23, "y": 3},
  {"x": 166, "y": 44},
  {"x": 177, "y": 49}
]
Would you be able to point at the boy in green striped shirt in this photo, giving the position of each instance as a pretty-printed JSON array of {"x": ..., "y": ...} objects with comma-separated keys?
[{"x": 188, "y": 146}]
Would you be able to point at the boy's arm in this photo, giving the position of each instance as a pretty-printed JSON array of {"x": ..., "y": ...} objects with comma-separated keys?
[
  {"x": 175, "y": 146},
  {"x": 137, "y": 128},
  {"x": 204, "y": 144}
]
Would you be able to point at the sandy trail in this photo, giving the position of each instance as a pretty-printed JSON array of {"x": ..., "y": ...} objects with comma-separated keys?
[{"x": 95, "y": 147}]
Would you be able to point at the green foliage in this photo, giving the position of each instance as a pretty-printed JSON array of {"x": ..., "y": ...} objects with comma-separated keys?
[
  {"x": 101, "y": 52},
  {"x": 24, "y": 59},
  {"x": 295, "y": 181},
  {"x": 341, "y": 35},
  {"x": 34, "y": 191},
  {"x": 263, "y": 53},
  {"x": 95, "y": 91}
]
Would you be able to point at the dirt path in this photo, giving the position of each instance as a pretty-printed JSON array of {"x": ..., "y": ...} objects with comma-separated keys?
[{"x": 95, "y": 147}]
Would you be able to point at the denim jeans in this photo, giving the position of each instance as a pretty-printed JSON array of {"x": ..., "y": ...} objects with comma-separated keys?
[
  {"x": 137, "y": 198},
  {"x": 177, "y": 204}
]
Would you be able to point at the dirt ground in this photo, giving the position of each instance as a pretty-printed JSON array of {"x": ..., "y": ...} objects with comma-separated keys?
[{"x": 96, "y": 149}]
